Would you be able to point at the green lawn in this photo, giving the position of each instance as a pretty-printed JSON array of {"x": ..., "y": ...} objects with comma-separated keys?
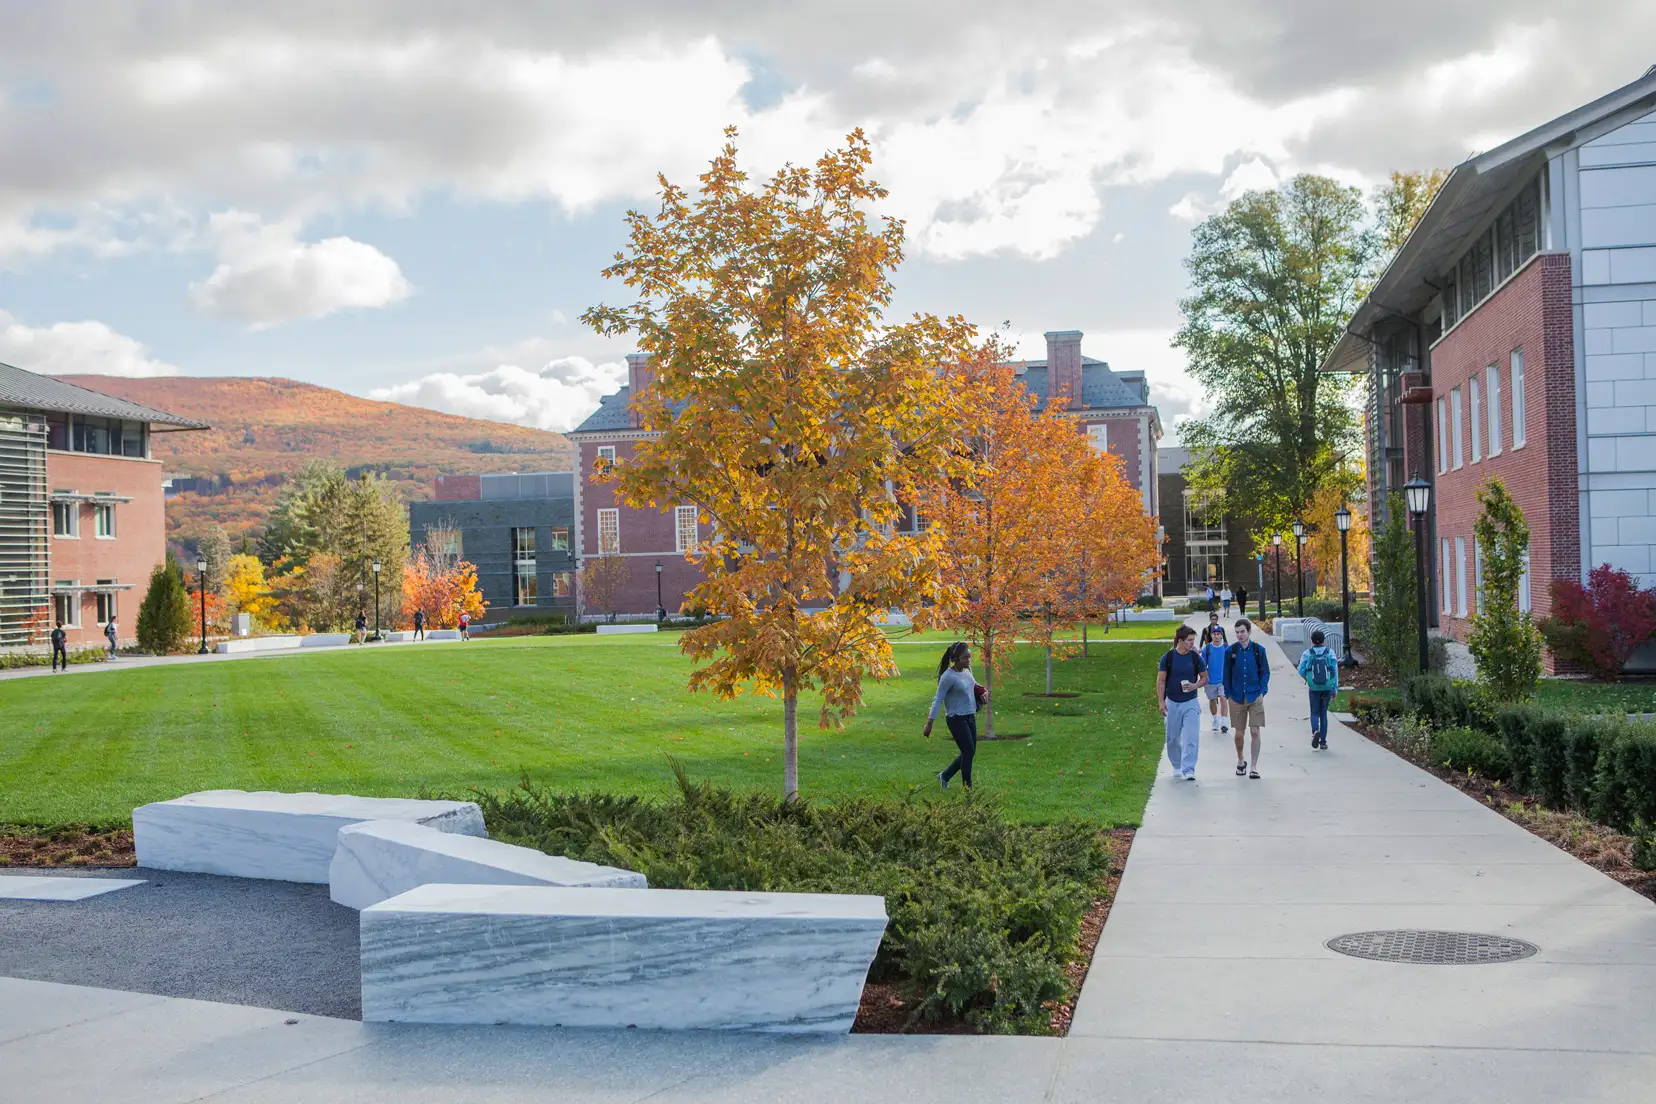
[
  {"x": 1625, "y": 697},
  {"x": 574, "y": 712},
  {"x": 1161, "y": 631}
]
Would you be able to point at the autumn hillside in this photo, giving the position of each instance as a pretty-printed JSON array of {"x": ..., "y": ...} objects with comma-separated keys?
[{"x": 264, "y": 429}]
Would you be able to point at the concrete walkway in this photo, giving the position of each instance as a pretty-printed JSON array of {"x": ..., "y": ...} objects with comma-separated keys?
[{"x": 1211, "y": 983}]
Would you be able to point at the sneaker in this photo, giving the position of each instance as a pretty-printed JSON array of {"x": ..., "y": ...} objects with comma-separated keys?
[
  {"x": 941, "y": 781},
  {"x": 1224, "y": 726},
  {"x": 1190, "y": 776}
]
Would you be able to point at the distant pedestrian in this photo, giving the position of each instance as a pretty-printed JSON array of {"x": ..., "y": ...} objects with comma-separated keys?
[
  {"x": 112, "y": 635},
  {"x": 1179, "y": 677},
  {"x": 361, "y": 627},
  {"x": 1242, "y": 601},
  {"x": 1208, "y": 629},
  {"x": 959, "y": 698},
  {"x": 1210, "y": 597},
  {"x": 419, "y": 624},
  {"x": 1225, "y": 598},
  {"x": 1321, "y": 672},
  {"x": 1213, "y": 657},
  {"x": 1247, "y": 681},
  {"x": 465, "y": 625},
  {"x": 60, "y": 647}
]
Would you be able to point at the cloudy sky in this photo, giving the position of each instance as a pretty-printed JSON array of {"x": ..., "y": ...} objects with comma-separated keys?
[{"x": 412, "y": 199}]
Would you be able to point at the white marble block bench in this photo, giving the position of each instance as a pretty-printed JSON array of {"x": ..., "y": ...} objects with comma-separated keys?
[
  {"x": 378, "y": 859},
  {"x": 650, "y": 958},
  {"x": 287, "y": 837}
]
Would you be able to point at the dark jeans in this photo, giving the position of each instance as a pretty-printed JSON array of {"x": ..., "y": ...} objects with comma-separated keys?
[
  {"x": 419, "y": 632},
  {"x": 963, "y": 727},
  {"x": 60, "y": 650},
  {"x": 1319, "y": 712}
]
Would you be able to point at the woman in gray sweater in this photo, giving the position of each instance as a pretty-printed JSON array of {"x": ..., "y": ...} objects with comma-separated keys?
[{"x": 957, "y": 697}]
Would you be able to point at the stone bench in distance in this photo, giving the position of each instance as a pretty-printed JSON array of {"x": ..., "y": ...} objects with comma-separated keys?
[
  {"x": 378, "y": 859},
  {"x": 286, "y": 837},
  {"x": 652, "y": 958}
]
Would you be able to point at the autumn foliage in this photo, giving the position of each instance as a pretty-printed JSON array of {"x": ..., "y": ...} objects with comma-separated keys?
[
  {"x": 1599, "y": 626},
  {"x": 442, "y": 590}
]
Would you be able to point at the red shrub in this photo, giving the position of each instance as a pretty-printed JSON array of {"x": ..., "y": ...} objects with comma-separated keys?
[{"x": 1597, "y": 627}]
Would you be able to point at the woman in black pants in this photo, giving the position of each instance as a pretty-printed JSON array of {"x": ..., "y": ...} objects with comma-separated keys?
[{"x": 957, "y": 694}]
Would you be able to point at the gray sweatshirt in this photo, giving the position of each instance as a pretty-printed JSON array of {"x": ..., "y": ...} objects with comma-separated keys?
[{"x": 955, "y": 694}]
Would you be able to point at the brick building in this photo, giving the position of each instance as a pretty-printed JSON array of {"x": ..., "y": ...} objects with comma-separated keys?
[
  {"x": 1111, "y": 407},
  {"x": 1206, "y": 543},
  {"x": 1514, "y": 335},
  {"x": 516, "y": 528},
  {"x": 82, "y": 521}
]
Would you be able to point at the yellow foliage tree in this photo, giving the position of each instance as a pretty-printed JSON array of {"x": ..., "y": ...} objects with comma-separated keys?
[
  {"x": 794, "y": 418},
  {"x": 245, "y": 591},
  {"x": 1115, "y": 553},
  {"x": 1322, "y": 544},
  {"x": 443, "y": 588}
]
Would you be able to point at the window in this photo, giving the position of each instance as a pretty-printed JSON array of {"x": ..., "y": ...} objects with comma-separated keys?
[
  {"x": 560, "y": 539},
  {"x": 1477, "y": 575},
  {"x": 1474, "y": 420},
  {"x": 606, "y": 456},
  {"x": 1493, "y": 375},
  {"x": 106, "y": 603},
  {"x": 66, "y": 519},
  {"x": 1455, "y": 428},
  {"x": 1443, "y": 578},
  {"x": 1098, "y": 436},
  {"x": 609, "y": 532},
  {"x": 562, "y": 584},
  {"x": 1524, "y": 586},
  {"x": 66, "y": 607},
  {"x": 1494, "y": 255},
  {"x": 684, "y": 528},
  {"x": 1460, "y": 576},
  {"x": 1443, "y": 436},
  {"x": 103, "y": 514},
  {"x": 523, "y": 584},
  {"x": 523, "y": 545},
  {"x": 1518, "y": 409}
]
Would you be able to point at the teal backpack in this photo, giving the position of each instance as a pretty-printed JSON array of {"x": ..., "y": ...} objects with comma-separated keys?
[{"x": 1322, "y": 674}]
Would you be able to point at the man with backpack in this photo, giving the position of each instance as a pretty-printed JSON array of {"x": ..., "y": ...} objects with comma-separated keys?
[
  {"x": 1321, "y": 672},
  {"x": 1247, "y": 681},
  {"x": 1179, "y": 676},
  {"x": 60, "y": 647},
  {"x": 419, "y": 624}
]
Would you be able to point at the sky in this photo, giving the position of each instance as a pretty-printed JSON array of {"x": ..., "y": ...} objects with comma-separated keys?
[{"x": 413, "y": 200}]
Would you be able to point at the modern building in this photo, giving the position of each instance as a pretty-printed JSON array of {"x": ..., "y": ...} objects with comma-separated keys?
[
  {"x": 1514, "y": 336},
  {"x": 82, "y": 522},
  {"x": 516, "y": 528},
  {"x": 1206, "y": 544},
  {"x": 1111, "y": 407}
]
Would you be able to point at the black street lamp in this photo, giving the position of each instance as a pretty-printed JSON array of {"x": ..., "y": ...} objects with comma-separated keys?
[
  {"x": 1259, "y": 562},
  {"x": 661, "y": 609},
  {"x": 1276, "y": 541},
  {"x": 1418, "y": 493},
  {"x": 1342, "y": 522},
  {"x": 377, "y": 635},
  {"x": 1299, "y": 572},
  {"x": 201, "y": 581}
]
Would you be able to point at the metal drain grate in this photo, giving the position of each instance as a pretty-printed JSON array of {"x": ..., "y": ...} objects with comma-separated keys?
[{"x": 1433, "y": 948}]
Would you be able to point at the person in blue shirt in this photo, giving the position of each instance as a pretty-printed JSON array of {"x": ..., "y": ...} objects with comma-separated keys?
[
  {"x": 1213, "y": 654},
  {"x": 957, "y": 696},
  {"x": 1247, "y": 674},
  {"x": 1321, "y": 672},
  {"x": 1179, "y": 677}
]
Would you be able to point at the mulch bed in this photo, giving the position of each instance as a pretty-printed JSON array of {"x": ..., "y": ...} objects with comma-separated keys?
[
  {"x": 74, "y": 845},
  {"x": 887, "y": 1007},
  {"x": 1600, "y": 847},
  {"x": 1366, "y": 677}
]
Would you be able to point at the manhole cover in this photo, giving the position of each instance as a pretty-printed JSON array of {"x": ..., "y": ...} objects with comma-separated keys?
[{"x": 1433, "y": 948}]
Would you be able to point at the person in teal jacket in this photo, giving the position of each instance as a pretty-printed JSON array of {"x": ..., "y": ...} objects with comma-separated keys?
[
  {"x": 1321, "y": 672},
  {"x": 1213, "y": 654}
]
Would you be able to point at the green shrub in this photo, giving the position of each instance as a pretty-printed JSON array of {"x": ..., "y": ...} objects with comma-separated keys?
[
  {"x": 1624, "y": 791},
  {"x": 1547, "y": 743},
  {"x": 984, "y": 913},
  {"x": 1410, "y": 737},
  {"x": 14, "y": 659},
  {"x": 164, "y": 616},
  {"x": 1437, "y": 655},
  {"x": 1504, "y": 640},
  {"x": 1517, "y": 726},
  {"x": 1362, "y": 625},
  {"x": 1584, "y": 737},
  {"x": 1324, "y": 609},
  {"x": 1444, "y": 704},
  {"x": 1468, "y": 749},
  {"x": 1147, "y": 601},
  {"x": 1392, "y": 643},
  {"x": 1373, "y": 710}
]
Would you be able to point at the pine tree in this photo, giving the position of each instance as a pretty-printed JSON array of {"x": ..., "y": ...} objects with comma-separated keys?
[
  {"x": 164, "y": 618},
  {"x": 1396, "y": 644},
  {"x": 1504, "y": 641}
]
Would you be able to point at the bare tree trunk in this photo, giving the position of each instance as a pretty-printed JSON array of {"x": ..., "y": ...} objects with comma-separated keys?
[
  {"x": 790, "y": 736},
  {"x": 1049, "y": 671},
  {"x": 989, "y": 683},
  {"x": 1084, "y": 652}
]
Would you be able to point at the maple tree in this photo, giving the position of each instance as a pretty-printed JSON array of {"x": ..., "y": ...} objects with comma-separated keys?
[
  {"x": 442, "y": 585},
  {"x": 1115, "y": 552},
  {"x": 794, "y": 417},
  {"x": 601, "y": 581}
]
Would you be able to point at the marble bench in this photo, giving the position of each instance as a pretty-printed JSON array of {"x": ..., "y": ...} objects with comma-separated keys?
[
  {"x": 287, "y": 837},
  {"x": 649, "y": 958},
  {"x": 377, "y": 859}
]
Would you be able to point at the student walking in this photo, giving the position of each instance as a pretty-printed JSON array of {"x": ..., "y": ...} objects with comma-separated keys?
[
  {"x": 1210, "y": 597},
  {"x": 1247, "y": 681},
  {"x": 1321, "y": 672},
  {"x": 465, "y": 625},
  {"x": 1225, "y": 597},
  {"x": 1180, "y": 675},
  {"x": 419, "y": 624},
  {"x": 361, "y": 632},
  {"x": 60, "y": 647},
  {"x": 111, "y": 635},
  {"x": 1208, "y": 629},
  {"x": 960, "y": 697},
  {"x": 1213, "y": 657},
  {"x": 1242, "y": 601}
]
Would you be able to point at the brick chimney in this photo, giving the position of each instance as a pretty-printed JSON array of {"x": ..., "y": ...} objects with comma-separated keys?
[
  {"x": 639, "y": 376},
  {"x": 1064, "y": 365}
]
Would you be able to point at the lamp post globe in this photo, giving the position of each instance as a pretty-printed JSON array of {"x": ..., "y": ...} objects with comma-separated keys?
[
  {"x": 1342, "y": 522},
  {"x": 1417, "y": 492},
  {"x": 201, "y": 581}
]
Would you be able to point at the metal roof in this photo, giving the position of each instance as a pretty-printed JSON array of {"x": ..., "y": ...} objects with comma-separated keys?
[
  {"x": 610, "y": 415},
  {"x": 36, "y": 392}
]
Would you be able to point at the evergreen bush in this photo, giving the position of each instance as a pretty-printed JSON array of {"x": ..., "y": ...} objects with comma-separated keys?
[
  {"x": 164, "y": 616},
  {"x": 1471, "y": 750},
  {"x": 1517, "y": 726},
  {"x": 1504, "y": 641},
  {"x": 1393, "y": 645},
  {"x": 1445, "y": 704}
]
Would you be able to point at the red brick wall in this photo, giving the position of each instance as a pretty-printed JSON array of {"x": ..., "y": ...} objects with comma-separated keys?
[
  {"x": 1124, "y": 442},
  {"x": 646, "y": 537},
  {"x": 140, "y": 535},
  {"x": 1531, "y": 312},
  {"x": 457, "y": 488}
]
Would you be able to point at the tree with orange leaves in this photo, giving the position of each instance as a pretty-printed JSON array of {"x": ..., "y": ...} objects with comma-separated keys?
[
  {"x": 1115, "y": 542},
  {"x": 794, "y": 417},
  {"x": 442, "y": 589}
]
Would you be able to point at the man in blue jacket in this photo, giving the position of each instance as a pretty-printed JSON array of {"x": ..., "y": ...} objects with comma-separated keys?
[{"x": 1247, "y": 680}]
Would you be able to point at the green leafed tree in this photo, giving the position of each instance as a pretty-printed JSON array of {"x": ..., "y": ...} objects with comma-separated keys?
[
  {"x": 164, "y": 616},
  {"x": 1274, "y": 278},
  {"x": 1395, "y": 648},
  {"x": 1400, "y": 202},
  {"x": 1505, "y": 641}
]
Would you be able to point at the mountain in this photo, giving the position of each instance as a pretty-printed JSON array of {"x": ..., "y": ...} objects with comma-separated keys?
[{"x": 264, "y": 429}]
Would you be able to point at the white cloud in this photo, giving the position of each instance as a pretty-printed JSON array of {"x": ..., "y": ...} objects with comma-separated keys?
[
  {"x": 1191, "y": 208},
  {"x": 1252, "y": 175},
  {"x": 266, "y": 276},
  {"x": 557, "y": 397},
  {"x": 66, "y": 348}
]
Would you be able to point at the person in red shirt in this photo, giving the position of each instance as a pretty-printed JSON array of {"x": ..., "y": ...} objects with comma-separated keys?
[{"x": 465, "y": 626}]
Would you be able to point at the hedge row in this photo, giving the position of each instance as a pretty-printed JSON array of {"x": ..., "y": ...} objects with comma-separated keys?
[{"x": 10, "y": 660}]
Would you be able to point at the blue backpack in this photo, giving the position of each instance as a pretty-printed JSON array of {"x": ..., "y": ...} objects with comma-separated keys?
[{"x": 1322, "y": 674}]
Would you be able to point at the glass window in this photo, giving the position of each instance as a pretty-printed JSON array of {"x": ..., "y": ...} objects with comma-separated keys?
[
  {"x": 523, "y": 544},
  {"x": 106, "y": 606},
  {"x": 523, "y": 584},
  {"x": 560, "y": 539},
  {"x": 1483, "y": 266},
  {"x": 132, "y": 438},
  {"x": 57, "y": 432},
  {"x": 562, "y": 584},
  {"x": 1204, "y": 565},
  {"x": 606, "y": 456},
  {"x": 1475, "y": 421},
  {"x": 684, "y": 528},
  {"x": 66, "y": 519},
  {"x": 66, "y": 610},
  {"x": 1455, "y": 428},
  {"x": 609, "y": 532},
  {"x": 1460, "y": 576},
  {"x": 1442, "y": 432},
  {"x": 104, "y": 515},
  {"x": 1204, "y": 520},
  {"x": 1443, "y": 578},
  {"x": 1098, "y": 436},
  {"x": 1493, "y": 375},
  {"x": 1518, "y": 410}
]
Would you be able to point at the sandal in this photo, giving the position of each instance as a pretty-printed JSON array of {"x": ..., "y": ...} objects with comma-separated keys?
[
  {"x": 1253, "y": 774},
  {"x": 1241, "y": 769}
]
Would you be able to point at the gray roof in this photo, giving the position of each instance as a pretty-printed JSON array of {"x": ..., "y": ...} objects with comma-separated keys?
[
  {"x": 36, "y": 392},
  {"x": 610, "y": 415},
  {"x": 1101, "y": 387}
]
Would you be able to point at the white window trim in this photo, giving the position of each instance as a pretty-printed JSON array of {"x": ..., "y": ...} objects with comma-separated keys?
[
  {"x": 1520, "y": 407},
  {"x": 73, "y": 600},
  {"x": 1473, "y": 394},
  {"x": 606, "y": 454},
  {"x": 1448, "y": 600},
  {"x": 1524, "y": 586},
  {"x": 73, "y": 513},
  {"x": 680, "y": 514},
  {"x": 1455, "y": 431},
  {"x": 1443, "y": 434},
  {"x": 1460, "y": 576},
  {"x": 613, "y": 516},
  {"x": 97, "y": 511},
  {"x": 1098, "y": 436},
  {"x": 1477, "y": 576},
  {"x": 1492, "y": 384}
]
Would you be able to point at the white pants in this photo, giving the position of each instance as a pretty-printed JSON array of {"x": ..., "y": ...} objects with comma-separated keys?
[{"x": 1184, "y": 734}]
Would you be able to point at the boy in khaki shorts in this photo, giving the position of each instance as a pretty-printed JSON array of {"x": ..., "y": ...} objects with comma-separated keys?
[{"x": 1247, "y": 677}]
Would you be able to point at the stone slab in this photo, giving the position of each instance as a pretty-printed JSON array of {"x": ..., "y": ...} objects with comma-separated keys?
[
  {"x": 612, "y": 630},
  {"x": 651, "y": 958},
  {"x": 257, "y": 644},
  {"x": 287, "y": 837},
  {"x": 36, "y": 887},
  {"x": 378, "y": 859},
  {"x": 325, "y": 640}
]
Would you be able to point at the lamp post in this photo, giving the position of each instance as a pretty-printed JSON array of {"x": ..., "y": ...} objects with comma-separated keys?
[
  {"x": 377, "y": 635},
  {"x": 1259, "y": 562},
  {"x": 1299, "y": 572},
  {"x": 1418, "y": 493},
  {"x": 201, "y": 581},
  {"x": 1276, "y": 542},
  {"x": 661, "y": 608},
  {"x": 1342, "y": 522}
]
